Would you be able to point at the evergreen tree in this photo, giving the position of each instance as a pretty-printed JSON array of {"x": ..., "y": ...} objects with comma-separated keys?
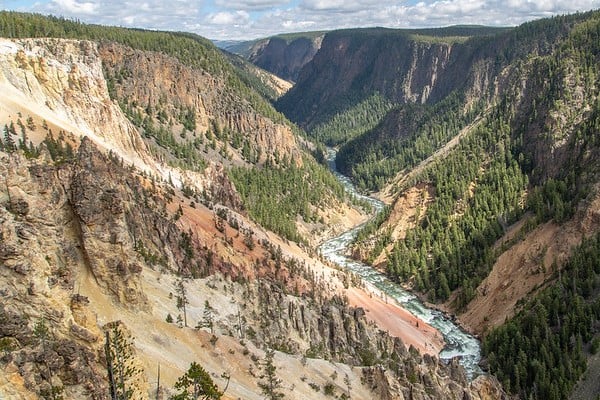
[
  {"x": 207, "y": 318},
  {"x": 270, "y": 384},
  {"x": 119, "y": 362},
  {"x": 182, "y": 299},
  {"x": 9, "y": 142},
  {"x": 195, "y": 384}
]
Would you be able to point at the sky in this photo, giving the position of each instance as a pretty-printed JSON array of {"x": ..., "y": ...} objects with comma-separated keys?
[{"x": 252, "y": 19}]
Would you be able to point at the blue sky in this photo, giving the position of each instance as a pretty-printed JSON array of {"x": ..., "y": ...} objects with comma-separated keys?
[{"x": 238, "y": 19}]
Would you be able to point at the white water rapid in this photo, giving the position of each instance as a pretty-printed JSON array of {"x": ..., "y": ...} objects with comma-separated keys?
[{"x": 458, "y": 342}]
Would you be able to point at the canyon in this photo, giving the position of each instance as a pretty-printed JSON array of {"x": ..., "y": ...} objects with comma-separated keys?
[
  {"x": 99, "y": 233},
  {"x": 174, "y": 203}
]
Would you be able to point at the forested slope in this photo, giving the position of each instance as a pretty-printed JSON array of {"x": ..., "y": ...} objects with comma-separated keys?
[{"x": 525, "y": 102}]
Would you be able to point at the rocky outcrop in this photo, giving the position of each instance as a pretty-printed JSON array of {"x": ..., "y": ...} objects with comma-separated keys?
[
  {"x": 144, "y": 80},
  {"x": 63, "y": 82},
  {"x": 285, "y": 57},
  {"x": 99, "y": 205},
  {"x": 87, "y": 221},
  {"x": 331, "y": 329},
  {"x": 45, "y": 346}
]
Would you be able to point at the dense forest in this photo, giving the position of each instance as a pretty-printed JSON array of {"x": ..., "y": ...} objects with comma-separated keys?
[
  {"x": 275, "y": 195},
  {"x": 541, "y": 352},
  {"x": 452, "y": 247},
  {"x": 351, "y": 123},
  {"x": 406, "y": 136}
]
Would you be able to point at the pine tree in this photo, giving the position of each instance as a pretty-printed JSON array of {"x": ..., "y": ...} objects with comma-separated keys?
[
  {"x": 270, "y": 384},
  {"x": 196, "y": 383},
  {"x": 182, "y": 299},
  {"x": 9, "y": 142},
  {"x": 30, "y": 124},
  {"x": 119, "y": 356},
  {"x": 208, "y": 317}
]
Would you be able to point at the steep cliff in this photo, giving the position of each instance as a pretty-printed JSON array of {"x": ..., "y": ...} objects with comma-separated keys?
[
  {"x": 267, "y": 83},
  {"x": 62, "y": 82},
  {"x": 197, "y": 102},
  {"x": 59, "y": 86},
  {"x": 284, "y": 55},
  {"x": 53, "y": 233},
  {"x": 402, "y": 65}
]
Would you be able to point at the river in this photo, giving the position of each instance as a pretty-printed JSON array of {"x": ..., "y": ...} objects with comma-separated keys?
[{"x": 458, "y": 342}]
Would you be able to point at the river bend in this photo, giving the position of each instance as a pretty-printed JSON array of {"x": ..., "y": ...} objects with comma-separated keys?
[{"x": 458, "y": 342}]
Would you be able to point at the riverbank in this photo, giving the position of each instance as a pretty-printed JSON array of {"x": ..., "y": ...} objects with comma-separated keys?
[
  {"x": 397, "y": 321},
  {"x": 458, "y": 342}
]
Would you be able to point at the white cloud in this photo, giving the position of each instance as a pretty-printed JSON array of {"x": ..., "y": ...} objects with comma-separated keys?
[
  {"x": 251, "y": 4},
  {"x": 152, "y": 14},
  {"x": 339, "y": 5},
  {"x": 249, "y": 19},
  {"x": 76, "y": 7},
  {"x": 228, "y": 18}
]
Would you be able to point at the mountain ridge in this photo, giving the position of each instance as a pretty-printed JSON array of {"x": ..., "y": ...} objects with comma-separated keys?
[{"x": 283, "y": 55}]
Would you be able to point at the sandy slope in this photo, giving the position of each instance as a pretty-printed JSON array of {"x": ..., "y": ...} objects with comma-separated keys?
[
  {"x": 398, "y": 322},
  {"x": 526, "y": 266},
  {"x": 158, "y": 342}
]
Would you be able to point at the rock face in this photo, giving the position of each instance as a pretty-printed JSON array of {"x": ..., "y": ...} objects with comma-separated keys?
[
  {"x": 144, "y": 80},
  {"x": 402, "y": 65},
  {"x": 62, "y": 80},
  {"x": 351, "y": 65},
  {"x": 106, "y": 243},
  {"x": 62, "y": 84},
  {"x": 285, "y": 58},
  {"x": 63, "y": 226},
  {"x": 46, "y": 343},
  {"x": 334, "y": 331}
]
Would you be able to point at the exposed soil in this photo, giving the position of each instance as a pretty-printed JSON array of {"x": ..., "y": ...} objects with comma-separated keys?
[
  {"x": 397, "y": 321},
  {"x": 526, "y": 266},
  {"x": 407, "y": 211},
  {"x": 335, "y": 220}
]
